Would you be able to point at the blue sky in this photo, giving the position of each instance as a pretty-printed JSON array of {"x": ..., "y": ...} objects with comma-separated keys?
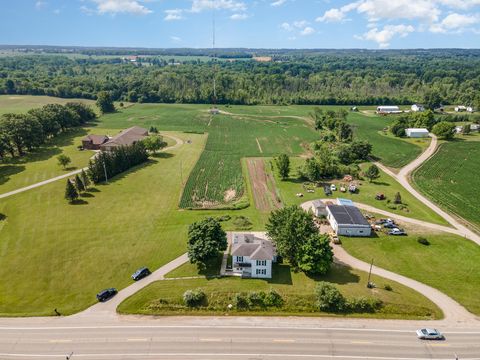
[{"x": 243, "y": 23}]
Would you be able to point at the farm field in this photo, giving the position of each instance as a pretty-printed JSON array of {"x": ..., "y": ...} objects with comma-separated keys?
[
  {"x": 366, "y": 194},
  {"x": 297, "y": 290},
  {"x": 450, "y": 263},
  {"x": 451, "y": 179},
  {"x": 262, "y": 184}
]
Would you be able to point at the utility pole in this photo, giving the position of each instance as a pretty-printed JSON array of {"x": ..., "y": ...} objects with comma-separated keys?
[{"x": 369, "y": 284}]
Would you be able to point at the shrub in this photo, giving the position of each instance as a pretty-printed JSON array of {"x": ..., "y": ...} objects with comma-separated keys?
[
  {"x": 273, "y": 298},
  {"x": 329, "y": 298},
  {"x": 387, "y": 287},
  {"x": 364, "y": 305},
  {"x": 241, "y": 301},
  {"x": 224, "y": 218},
  {"x": 423, "y": 241},
  {"x": 256, "y": 299},
  {"x": 242, "y": 223},
  {"x": 194, "y": 298}
]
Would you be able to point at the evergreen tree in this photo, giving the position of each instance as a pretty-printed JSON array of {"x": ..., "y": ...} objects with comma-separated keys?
[
  {"x": 85, "y": 179},
  {"x": 71, "y": 193},
  {"x": 79, "y": 184}
]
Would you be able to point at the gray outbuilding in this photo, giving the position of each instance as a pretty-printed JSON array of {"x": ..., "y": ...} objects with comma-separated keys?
[{"x": 348, "y": 221}]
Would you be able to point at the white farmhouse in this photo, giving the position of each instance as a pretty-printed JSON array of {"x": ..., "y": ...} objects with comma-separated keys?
[
  {"x": 252, "y": 256},
  {"x": 417, "y": 108},
  {"x": 416, "y": 133},
  {"x": 348, "y": 221},
  {"x": 388, "y": 110}
]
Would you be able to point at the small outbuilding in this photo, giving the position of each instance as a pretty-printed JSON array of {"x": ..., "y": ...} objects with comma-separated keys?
[
  {"x": 417, "y": 133},
  {"x": 417, "y": 108},
  {"x": 348, "y": 221},
  {"x": 345, "y": 202},
  {"x": 319, "y": 208}
]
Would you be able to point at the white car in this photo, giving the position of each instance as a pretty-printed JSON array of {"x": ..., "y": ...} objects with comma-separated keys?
[
  {"x": 333, "y": 187},
  {"x": 429, "y": 334}
]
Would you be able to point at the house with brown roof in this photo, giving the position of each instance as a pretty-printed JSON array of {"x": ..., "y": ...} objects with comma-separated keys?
[
  {"x": 93, "y": 142},
  {"x": 253, "y": 256},
  {"x": 126, "y": 137}
]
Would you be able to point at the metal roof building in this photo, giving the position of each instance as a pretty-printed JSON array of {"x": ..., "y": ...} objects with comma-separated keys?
[{"x": 347, "y": 220}]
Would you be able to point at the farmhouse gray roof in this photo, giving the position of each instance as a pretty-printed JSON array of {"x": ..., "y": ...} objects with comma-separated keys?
[
  {"x": 256, "y": 249},
  {"x": 347, "y": 215}
]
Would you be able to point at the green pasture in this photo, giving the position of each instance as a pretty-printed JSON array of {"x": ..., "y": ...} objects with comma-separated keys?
[{"x": 450, "y": 263}]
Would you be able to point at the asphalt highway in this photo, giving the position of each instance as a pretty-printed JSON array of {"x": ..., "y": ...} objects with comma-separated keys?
[{"x": 147, "y": 340}]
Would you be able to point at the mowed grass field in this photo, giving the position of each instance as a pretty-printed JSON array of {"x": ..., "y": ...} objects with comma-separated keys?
[
  {"x": 450, "y": 264},
  {"x": 366, "y": 194},
  {"x": 297, "y": 290},
  {"x": 451, "y": 179},
  {"x": 23, "y": 103}
]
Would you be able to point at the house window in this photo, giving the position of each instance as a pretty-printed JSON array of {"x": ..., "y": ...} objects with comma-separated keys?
[
  {"x": 240, "y": 259},
  {"x": 261, "y": 262},
  {"x": 261, "y": 272}
]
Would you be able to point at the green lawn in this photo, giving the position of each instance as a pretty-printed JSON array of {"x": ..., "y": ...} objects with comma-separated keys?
[
  {"x": 451, "y": 179},
  {"x": 450, "y": 264},
  {"x": 297, "y": 290},
  {"x": 23, "y": 103},
  {"x": 43, "y": 164},
  {"x": 366, "y": 194}
]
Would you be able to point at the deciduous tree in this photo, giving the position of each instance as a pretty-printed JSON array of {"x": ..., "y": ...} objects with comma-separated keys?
[
  {"x": 372, "y": 172},
  {"x": 283, "y": 166},
  {"x": 206, "y": 239},
  {"x": 63, "y": 160}
]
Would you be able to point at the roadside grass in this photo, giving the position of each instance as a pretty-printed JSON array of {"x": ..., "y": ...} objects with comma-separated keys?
[
  {"x": 23, "y": 103},
  {"x": 450, "y": 263},
  {"x": 297, "y": 290},
  {"x": 188, "y": 269},
  {"x": 451, "y": 179},
  {"x": 42, "y": 164},
  {"x": 366, "y": 194}
]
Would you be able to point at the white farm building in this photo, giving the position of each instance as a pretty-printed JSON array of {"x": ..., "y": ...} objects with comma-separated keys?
[
  {"x": 416, "y": 133},
  {"x": 417, "y": 108},
  {"x": 348, "y": 221},
  {"x": 388, "y": 110}
]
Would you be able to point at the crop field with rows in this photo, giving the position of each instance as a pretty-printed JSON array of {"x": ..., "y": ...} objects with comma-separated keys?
[
  {"x": 217, "y": 178},
  {"x": 451, "y": 179}
]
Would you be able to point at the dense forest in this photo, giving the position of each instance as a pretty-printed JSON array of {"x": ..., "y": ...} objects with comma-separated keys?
[{"x": 293, "y": 77}]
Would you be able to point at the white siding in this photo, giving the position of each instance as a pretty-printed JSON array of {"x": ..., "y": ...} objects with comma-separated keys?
[{"x": 263, "y": 270}]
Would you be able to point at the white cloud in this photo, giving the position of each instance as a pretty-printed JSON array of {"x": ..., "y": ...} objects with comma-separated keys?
[
  {"x": 455, "y": 22},
  {"x": 332, "y": 15},
  {"x": 232, "y": 5},
  {"x": 176, "y": 39},
  {"x": 173, "y": 14},
  {"x": 287, "y": 27},
  {"x": 40, "y": 4},
  {"x": 239, "y": 16},
  {"x": 120, "y": 6},
  {"x": 382, "y": 37},
  {"x": 307, "y": 31},
  {"x": 300, "y": 24},
  {"x": 278, "y": 3},
  {"x": 460, "y": 4},
  {"x": 398, "y": 9}
]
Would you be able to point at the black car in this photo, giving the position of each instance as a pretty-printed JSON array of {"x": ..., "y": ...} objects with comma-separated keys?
[
  {"x": 141, "y": 273},
  {"x": 106, "y": 294},
  {"x": 389, "y": 225},
  {"x": 327, "y": 190}
]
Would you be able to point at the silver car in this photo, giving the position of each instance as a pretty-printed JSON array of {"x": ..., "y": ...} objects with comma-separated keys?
[{"x": 429, "y": 334}]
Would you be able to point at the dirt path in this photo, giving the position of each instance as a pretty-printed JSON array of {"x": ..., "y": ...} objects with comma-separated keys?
[
  {"x": 179, "y": 142},
  {"x": 264, "y": 196},
  {"x": 403, "y": 177},
  {"x": 306, "y": 119}
]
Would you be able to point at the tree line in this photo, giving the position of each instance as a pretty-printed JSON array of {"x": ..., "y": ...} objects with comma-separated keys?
[
  {"x": 329, "y": 78},
  {"x": 20, "y": 133}
]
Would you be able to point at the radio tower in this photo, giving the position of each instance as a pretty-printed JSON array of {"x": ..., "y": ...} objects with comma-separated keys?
[{"x": 214, "y": 110}]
